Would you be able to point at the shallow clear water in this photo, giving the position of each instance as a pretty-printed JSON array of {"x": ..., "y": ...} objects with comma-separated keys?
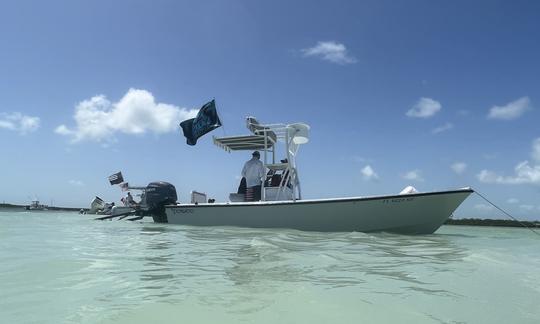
[{"x": 68, "y": 268}]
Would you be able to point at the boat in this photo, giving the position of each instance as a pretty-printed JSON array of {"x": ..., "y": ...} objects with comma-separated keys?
[
  {"x": 97, "y": 204},
  {"x": 35, "y": 205},
  {"x": 282, "y": 205},
  {"x": 99, "y": 207}
]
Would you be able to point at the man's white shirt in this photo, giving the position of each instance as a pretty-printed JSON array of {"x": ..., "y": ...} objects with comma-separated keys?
[{"x": 254, "y": 172}]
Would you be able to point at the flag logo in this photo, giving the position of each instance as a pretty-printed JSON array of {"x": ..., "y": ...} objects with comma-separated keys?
[
  {"x": 116, "y": 178},
  {"x": 206, "y": 121}
]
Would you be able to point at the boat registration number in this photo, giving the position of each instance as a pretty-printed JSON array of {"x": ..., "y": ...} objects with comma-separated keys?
[
  {"x": 397, "y": 200},
  {"x": 182, "y": 211}
]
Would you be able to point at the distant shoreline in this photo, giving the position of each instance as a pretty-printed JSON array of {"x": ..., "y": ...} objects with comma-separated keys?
[
  {"x": 491, "y": 222},
  {"x": 53, "y": 208}
]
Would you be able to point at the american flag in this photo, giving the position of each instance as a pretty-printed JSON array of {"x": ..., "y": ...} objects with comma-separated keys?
[{"x": 116, "y": 178}]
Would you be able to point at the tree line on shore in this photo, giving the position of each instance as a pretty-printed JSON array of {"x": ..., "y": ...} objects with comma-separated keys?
[{"x": 491, "y": 222}]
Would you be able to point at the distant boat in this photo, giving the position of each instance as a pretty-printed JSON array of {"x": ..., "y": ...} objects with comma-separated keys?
[
  {"x": 99, "y": 207},
  {"x": 35, "y": 205}
]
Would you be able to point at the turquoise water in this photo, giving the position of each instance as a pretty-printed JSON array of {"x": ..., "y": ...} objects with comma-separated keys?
[{"x": 67, "y": 268}]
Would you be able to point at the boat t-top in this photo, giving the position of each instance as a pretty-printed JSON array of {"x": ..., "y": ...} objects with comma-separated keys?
[{"x": 36, "y": 205}]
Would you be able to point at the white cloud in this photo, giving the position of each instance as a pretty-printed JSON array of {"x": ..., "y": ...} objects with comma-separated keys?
[
  {"x": 369, "y": 173},
  {"x": 414, "y": 175},
  {"x": 424, "y": 108},
  {"x": 98, "y": 119},
  {"x": 76, "y": 183},
  {"x": 62, "y": 130},
  {"x": 330, "y": 51},
  {"x": 511, "y": 110},
  {"x": 536, "y": 150},
  {"x": 524, "y": 174},
  {"x": 459, "y": 167},
  {"x": 18, "y": 122},
  {"x": 512, "y": 201},
  {"x": 443, "y": 128},
  {"x": 483, "y": 207}
]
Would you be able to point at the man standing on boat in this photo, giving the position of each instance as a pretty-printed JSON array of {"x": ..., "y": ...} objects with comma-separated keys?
[
  {"x": 130, "y": 202},
  {"x": 254, "y": 172}
]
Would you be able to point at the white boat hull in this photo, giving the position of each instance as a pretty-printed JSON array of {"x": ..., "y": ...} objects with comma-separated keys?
[{"x": 420, "y": 213}]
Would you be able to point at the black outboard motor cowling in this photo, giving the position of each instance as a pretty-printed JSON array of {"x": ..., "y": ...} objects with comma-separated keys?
[{"x": 157, "y": 195}]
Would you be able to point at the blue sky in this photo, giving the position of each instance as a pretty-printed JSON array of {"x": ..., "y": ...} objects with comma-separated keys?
[{"x": 434, "y": 94}]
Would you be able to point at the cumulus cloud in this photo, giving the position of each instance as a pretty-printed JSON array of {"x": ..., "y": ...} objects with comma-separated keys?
[
  {"x": 458, "y": 167},
  {"x": 330, "y": 51},
  {"x": 443, "y": 128},
  {"x": 369, "y": 174},
  {"x": 524, "y": 173},
  {"x": 414, "y": 175},
  {"x": 511, "y": 110},
  {"x": 424, "y": 108},
  {"x": 18, "y": 122},
  {"x": 137, "y": 112}
]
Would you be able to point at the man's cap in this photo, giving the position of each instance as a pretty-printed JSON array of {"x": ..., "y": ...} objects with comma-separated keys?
[{"x": 256, "y": 153}]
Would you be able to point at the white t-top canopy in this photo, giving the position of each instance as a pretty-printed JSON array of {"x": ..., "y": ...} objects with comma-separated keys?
[{"x": 244, "y": 143}]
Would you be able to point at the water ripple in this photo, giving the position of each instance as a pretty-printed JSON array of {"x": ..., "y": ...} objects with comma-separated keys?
[{"x": 77, "y": 270}]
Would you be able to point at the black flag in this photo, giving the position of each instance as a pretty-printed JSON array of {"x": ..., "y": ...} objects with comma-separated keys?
[
  {"x": 206, "y": 121},
  {"x": 116, "y": 178}
]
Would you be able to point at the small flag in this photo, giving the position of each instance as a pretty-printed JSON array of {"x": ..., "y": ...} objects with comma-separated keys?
[
  {"x": 116, "y": 178},
  {"x": 124, "y": 186},
  {"x": 206, "y": 121}
]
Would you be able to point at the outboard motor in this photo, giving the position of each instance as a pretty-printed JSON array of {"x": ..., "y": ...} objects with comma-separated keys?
[{"x": 157, "y": 195}]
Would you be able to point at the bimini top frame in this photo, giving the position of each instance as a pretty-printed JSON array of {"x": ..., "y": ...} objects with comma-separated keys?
[{"x": 265, "y": 138}]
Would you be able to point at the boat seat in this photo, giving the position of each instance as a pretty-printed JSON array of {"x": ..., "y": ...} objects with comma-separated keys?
[{"x": 256, "y": 128}]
